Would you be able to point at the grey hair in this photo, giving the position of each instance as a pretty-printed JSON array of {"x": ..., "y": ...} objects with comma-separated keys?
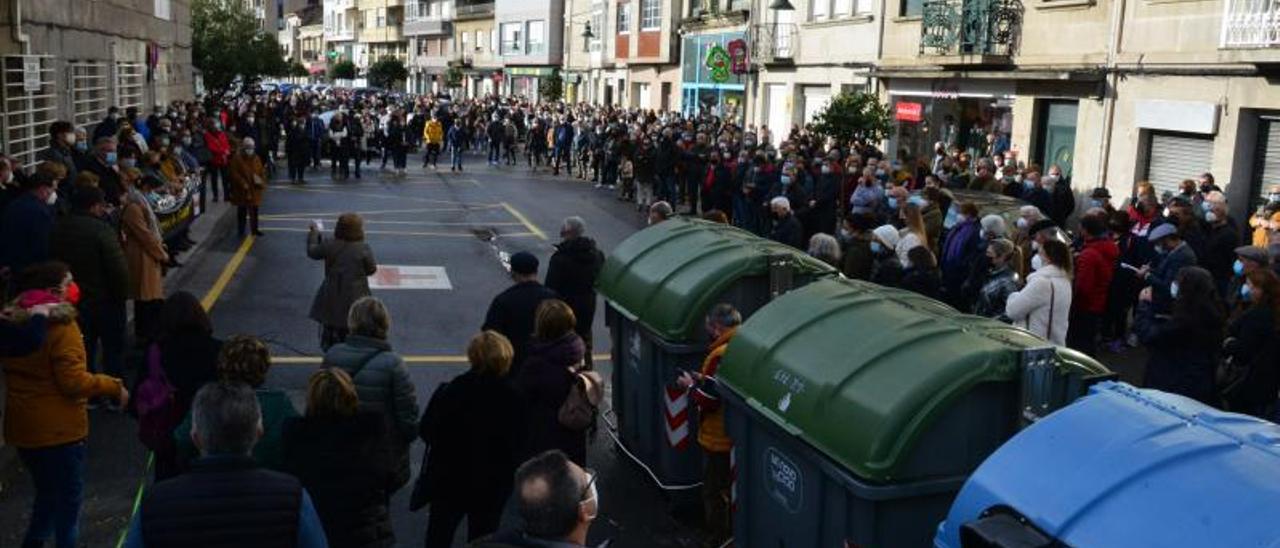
[
  {"x": 662, "y": 208},
  {"x": 724, "y": 315},
  {"x": 225, "y": 417},
  {"x": 368, "y": 317},
  {"x": 781, "y": 202},
  {"x": 574, "y": 226},
  {"x": 824, "y": 247},
  {"x": 1030, "y": 210}
]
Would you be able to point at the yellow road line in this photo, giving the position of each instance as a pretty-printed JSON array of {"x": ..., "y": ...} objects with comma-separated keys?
[
  {"x": 309, "y": 216},
  {"x": 228, "y": 272},
  {"x": 439, "y": 359},
  {"x": 368, "y": 195},
  {"x": 520, "y": 217},
  {"x": 402, "y": 233}
]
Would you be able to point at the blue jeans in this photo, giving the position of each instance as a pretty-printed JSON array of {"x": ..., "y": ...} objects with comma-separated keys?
[
  {"x": 58, "y": 474},
  {"x": 457, "y": 158},
  {"x": 495, "y": 151}
]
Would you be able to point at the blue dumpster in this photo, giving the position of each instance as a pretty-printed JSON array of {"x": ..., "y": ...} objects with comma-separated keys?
[{"x": 1125, "y": 467}]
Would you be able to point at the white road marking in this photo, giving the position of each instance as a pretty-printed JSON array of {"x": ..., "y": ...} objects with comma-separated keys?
[{"x": 410, "y": 277}]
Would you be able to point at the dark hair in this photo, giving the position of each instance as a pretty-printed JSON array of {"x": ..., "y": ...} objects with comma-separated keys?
[
  {"x": 970, "y": 209},
  {"x": 548, "y": 495},
  {"x": 183, "y": 314},
  {"x": 85, "y": 197},
  {"x": 59, "y": 127},
  {"x": 36, "y": 180},
  {"x": 225, "y": 417},
  {"x": 921, "y": 258},
  {"x": 1198, "y": 302},
  {"x": 1093, "y": 225},
  {"x": 1268, "y": 284},
  {"x": 553, "y": 319},
  {"x": 244, "y": 359},
  {"x": 350, "y": 228},
  {"x": 1058, "y": 253},
  {"x": 44, "y": 275}
]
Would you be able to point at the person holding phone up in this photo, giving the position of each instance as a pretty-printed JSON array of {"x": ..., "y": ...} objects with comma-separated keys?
[{"x": 348, "y": 263}]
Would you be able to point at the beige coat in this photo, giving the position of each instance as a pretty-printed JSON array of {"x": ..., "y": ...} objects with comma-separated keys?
[
  {"x": 143, "y": 252},
  {"x": 248, "y": 178}
]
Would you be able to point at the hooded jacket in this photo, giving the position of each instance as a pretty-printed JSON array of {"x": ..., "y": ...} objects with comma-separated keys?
[{"x": 1095, "y": 267}]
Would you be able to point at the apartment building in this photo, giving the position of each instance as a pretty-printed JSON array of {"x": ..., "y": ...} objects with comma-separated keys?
[
  {"x": 801, "y": 58},
  {"x": 646, "y": 45},
  {"x": 530, "y": 41},
  {"x": 311, "y": 43},
  {"x": 428, "y": 29},
  {"x": 475, "y": 49},
  {"x": 714, "y": 64},
  {"x": 380, "y": 32},
  {"x": 290, "y": 37},
  {"x": 72, "y": 59},
  {"x": 341, "y": 18},
  {"x": 592, "y": 75}
]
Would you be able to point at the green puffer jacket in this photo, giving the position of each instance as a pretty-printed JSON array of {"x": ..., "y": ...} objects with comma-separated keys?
[{"x": 383, "y": 383}]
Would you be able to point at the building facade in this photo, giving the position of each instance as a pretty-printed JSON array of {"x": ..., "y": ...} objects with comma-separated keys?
[
  {"x": 714, "y": 63},
  {"x": 530, "y": 41},
  {"x": 475, "y": 47},
  {"x": 380, "y": 32},
  {"x": 646, "y": 46},
  {"x": 61, "y": 63},
  {"x": 341, "y": 18},
  {"x": 311, "y": 44},
  {"x": 428, "y": 29}
]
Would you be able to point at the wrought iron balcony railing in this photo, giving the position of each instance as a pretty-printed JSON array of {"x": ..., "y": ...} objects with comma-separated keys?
[
  {"x": 1250, "y": 24},
  {"x": 775, "y": 43},
  {"x": 971, "y": 27}
]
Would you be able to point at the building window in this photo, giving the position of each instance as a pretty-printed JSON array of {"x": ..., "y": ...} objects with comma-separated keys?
[
  {"x": 597, "y": 28},
  {"x": 511, "y": 40},
  {"x": 382, "y": 17},
  {"x": 624, "y": 18},
  {"x": 481, "y": 40},
  {"x": 163, "y": 9},
  {"x": 537, "y": 40},
  {"x": 821, "y": 10},
  {"x": 493, "y": 40},
  {"x": 466, "y": 42},
  {"x": 912, "y": 8},
  {"x": 650, "y": 14},
  {"x": 818, "y": 10}
]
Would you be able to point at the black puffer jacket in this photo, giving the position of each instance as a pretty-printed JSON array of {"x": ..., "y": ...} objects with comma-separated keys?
[
  {"x": 572, "y": 273},
  {"x": 544, "y": 382},
  {"x": 344, "y": 464}
]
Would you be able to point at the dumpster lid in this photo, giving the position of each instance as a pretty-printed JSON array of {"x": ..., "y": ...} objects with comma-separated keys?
[
  {"x": 668, "y": 274},
  {"x": 860, "y": 371},
  {"x": 1133, "y": 467}
]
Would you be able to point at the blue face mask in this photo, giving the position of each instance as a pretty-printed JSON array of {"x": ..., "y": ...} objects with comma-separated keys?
[
  {"x": 128, "y": 163},
  {"x": 785, "y": 180},
  {"x": 1238, "y": 267},
  {"x": 111, "y": 158},
  {"x": 951, "y": 220},
  {"x": 1173, "y": 290},
  {"x": 1246, "y": 292},
  {"x": 876, "y": 248},
  {"x": 1028, "y": 184},
  {"x": 918, "y": 201},
  {"x": 82, "y": 146},
  {"x": 893, "y": 203}
]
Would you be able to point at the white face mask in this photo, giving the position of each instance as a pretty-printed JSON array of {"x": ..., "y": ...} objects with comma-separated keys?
[
  {"x": 1037, "y": 262},
  {"x": 52, "y": 199},
  {"x": 69, "y": 139},
  {"x": 1211, "y": 217}
]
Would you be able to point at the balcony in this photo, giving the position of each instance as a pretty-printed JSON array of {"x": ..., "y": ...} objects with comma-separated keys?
[
  {"x": 774, "y": 44},
  {"x": 971, "y": 32},
  {"x": 388, "y": 33},
  {"x": 427, "y": 27},
  {"x": 1250, "y": 24},
  {"x": 465, "y": 12},
  {"x": 339, "y": 34}
]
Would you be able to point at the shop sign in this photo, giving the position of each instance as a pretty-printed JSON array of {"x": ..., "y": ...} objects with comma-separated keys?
[
  {"x": 738, "y": 56},
  {"x": 718, "y": 62},
  {"x": 909, "y": 112},
  {"x": 944, "y": 89},
  {"x": 529, "y": 71}
]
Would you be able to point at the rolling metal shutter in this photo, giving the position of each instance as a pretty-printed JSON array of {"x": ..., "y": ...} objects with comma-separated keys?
[
  {"x": 1173, "y": 157},
  {"x": 1267, "y": 171}
]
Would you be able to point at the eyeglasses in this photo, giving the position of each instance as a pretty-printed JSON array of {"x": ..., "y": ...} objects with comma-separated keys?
[{"x": 587, "y": 493}]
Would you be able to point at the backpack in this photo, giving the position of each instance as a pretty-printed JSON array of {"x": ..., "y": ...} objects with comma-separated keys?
[
  {"x": 156, "y": 403},
  {"x": 582, "y": 405}
]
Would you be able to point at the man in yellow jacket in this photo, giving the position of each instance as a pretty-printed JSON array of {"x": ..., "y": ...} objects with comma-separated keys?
[
  {"x": 433, "y": 135},
  {"x": 722, "y": 323}
]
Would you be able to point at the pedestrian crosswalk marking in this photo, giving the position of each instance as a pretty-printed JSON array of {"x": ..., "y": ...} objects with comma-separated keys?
[{"x": 410, "y": 277}]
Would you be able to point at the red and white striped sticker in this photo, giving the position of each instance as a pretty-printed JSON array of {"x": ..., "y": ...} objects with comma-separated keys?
[{"x": 677, "y": 415}]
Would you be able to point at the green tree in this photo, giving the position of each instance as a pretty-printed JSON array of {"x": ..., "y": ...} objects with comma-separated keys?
[
  {"x": 453, "y": 77},
  {"x": 551, "y": 88},
  {"x": 343, "y": 70},
  {"x": 385, "y": 72},
  {"x": 228, "y": 47},
  {"x": 298, "y": 71},
  {"x": 851, "y": 116}
]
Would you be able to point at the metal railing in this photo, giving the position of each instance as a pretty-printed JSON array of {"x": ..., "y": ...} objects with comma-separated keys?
[
  {"x": 774, "y": 43},
  {"x": 971, "y": 27},
  {"x": 462, "y": 11},
  {"x": 1250, "y": 24}
]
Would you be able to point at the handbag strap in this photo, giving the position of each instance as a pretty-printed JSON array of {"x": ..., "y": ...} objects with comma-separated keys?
[{"x": 1052, "y": 293}]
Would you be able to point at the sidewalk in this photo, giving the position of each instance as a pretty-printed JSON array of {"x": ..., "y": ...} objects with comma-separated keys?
[{"x": 115, "y": 460}]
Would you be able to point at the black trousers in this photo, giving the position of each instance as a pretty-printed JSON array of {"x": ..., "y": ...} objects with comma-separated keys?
[
  {"x": 1082, "y": 332},
  {"x": 247, "y": 211},
  {"x": 146, "y": 320},
  {"x": 715, "y": 496},
  {"x": 444, "y": 517}
]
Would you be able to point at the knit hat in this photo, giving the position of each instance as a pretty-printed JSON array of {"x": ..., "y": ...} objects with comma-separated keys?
[
  {"x": 887, "y": 234},
  {"x": 524, "y": 263}
]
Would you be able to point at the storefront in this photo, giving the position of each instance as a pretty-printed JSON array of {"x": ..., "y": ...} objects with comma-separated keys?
[
  {"x": 524, "y": 81},
  {"x": 714, "y": 70},
  {"x": 958, "y": 114}
]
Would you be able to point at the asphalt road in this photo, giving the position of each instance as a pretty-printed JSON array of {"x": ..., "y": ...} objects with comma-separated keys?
[{"x": 465, "y": 223}]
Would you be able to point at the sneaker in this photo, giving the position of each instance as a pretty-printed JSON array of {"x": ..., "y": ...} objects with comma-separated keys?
[{"x": 597, "y": 186}]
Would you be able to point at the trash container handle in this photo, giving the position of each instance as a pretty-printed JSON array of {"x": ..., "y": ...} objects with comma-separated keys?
[{"x": 776, "y": 418}]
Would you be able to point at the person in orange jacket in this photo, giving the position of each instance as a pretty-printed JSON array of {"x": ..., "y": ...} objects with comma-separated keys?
[
  {"x": 722, "y": 323},
  {"x": 46, "y": 394}
]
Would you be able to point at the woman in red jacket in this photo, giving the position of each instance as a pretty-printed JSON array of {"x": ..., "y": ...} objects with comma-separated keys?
[
  {"x": 1095, "y": 267},
  {"x": 219, "y": 155}
]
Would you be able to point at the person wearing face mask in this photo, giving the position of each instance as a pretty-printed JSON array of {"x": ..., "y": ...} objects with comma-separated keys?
[
  {"x": 109, "y": 125},
  {"x": 855, "y": 246},
  {"x": 1250, "y": 377},
  {"x": 1221, "y": 240},
  {"x": 1094, "y": 271},
  {"x": 248, "y": 176},
  {"x": 887, "y": 269},
  {"x": 1035, "y": 193},
  {"x": 1043, "y": 306},
  {"x": 998, "y": 281},
  {"x": 218, "y": 144},
  {"x": 103, "y": 163},
  {"x": 992, "y": 227},
  {"x": 26, "y": 224},
  {"x": 1184, "y": 341},
  {"x": 146, "y": 256},
  {"x": 787, "y": 228},
  {"x": 557, "y": 501},
  {"x": 62, "y": 142},
  {"x": 1247, "y": 259},
  {"x": 1063, "y": 198},
  {"x": 1172, "y": 255},
  {"x": 961, "y": 246}
]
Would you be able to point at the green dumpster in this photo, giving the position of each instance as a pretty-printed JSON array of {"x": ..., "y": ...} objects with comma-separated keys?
[
  {"x": 857, "y": 411},
  {"x": 658, "y": 286}
]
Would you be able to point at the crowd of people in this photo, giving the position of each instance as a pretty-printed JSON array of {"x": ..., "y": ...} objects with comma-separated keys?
[{"x": 234, "y": 459}]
